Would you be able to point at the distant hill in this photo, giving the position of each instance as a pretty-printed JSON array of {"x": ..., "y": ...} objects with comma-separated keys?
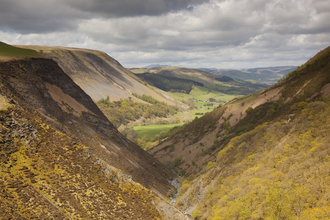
[
  {"x": 154, "y": 65},
  {"x": 224, "y": 79},
  {"x": 266, "y": 75},
  {"x": 224, "y": 84},
  {"x": 273, "y": 70},
  {"x": 167, "y": 83}
]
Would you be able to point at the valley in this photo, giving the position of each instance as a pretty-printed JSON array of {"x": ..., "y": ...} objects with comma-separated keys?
[{"x": 82, "y": 137}]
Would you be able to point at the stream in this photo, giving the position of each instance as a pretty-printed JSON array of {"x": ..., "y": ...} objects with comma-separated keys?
[{"x": 177, "y": 186}]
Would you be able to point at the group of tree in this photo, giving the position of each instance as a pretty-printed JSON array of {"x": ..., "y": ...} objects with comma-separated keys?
[
  {"x": 147, "y": 98},
  {"x": 126, "y": 110}
]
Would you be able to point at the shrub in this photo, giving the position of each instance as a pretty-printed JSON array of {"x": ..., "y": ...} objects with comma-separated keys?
[
  {"x": 177, "y": 161},
  {"x": 258, "y": 112},
  {"x": 249, "y": 110},
  {"x": 172, "y": 147}
]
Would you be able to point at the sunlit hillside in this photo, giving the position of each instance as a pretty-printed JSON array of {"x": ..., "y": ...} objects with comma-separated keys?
[{"x": 264, "y": 158}]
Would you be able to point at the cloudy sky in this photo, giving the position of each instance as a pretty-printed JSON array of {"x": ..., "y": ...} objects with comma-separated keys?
[{"x": 192, "y": 33}]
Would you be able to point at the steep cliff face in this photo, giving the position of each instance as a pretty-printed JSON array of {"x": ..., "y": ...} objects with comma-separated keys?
[{"x": 61, "y": 157}]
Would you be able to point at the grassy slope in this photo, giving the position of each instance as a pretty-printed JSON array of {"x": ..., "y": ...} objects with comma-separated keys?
[
  {"x": 11, "y": 51},
  {"x": 280, "y": 168}
]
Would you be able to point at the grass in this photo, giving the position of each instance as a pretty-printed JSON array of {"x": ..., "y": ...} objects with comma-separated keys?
[
  {"x": 201, "y": 93},
  {"x": 152, "y": 130},
  {"x": 11, "y": 51}
]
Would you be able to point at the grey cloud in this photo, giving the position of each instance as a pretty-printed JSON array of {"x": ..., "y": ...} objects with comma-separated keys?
[
  {"x": 128, "y": 8},
  {"x": 37, "y": 16}
]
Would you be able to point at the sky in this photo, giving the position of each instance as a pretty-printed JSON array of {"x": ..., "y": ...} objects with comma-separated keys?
[{"x": 223, "y": 34}]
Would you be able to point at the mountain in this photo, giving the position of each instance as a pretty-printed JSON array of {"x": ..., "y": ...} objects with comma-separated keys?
[
  {"x": 180, "y": 72},
  {"x": 62, "y": 158},
  {"x": 98, "y": 74},
  {"x": 267, "y": 75},
  {"x": 262, "y": 156},
  {"x": 154, "y": 65},
  {"x": 278, "y": 70},
  {"x": 224, "y": 84}
]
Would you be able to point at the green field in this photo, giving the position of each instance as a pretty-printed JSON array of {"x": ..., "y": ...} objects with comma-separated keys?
[
  {"x": 152, "y": 130},
  {"x": 10, "y": 51}
]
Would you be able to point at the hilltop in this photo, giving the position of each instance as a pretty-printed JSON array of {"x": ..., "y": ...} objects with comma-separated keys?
[
  {"x": 262, "y": 156},
  {"x": 99, "y": 75},
  {"x": 62, "y": 158}
]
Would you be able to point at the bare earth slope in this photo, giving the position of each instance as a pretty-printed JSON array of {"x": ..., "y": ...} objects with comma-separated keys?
[
  {"x": 98, "y": 74},
  {"x": 61, "y": 157}
]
